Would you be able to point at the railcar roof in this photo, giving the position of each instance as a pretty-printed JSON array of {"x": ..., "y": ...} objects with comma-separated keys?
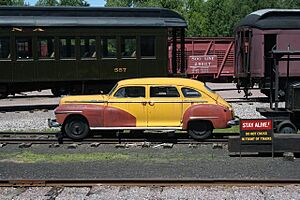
[
  {"x": 89, "y": 16},
  {"x": 272, "y": 19},
  {"x": 163, "y": 81}
]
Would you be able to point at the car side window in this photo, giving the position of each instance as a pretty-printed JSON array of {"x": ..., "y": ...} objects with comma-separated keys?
[
  {"x": 164, "y": 91},
  {"x": 190, "y": 93},
  {"x": 131, "y": 92}
]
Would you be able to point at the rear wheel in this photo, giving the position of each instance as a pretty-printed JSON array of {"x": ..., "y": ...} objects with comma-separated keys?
[
  {"x": 200, "y": 130},
  {"x": 76, "y": 128}
]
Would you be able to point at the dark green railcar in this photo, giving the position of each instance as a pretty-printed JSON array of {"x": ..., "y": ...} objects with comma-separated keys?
[{"x": 84, "y": 50}]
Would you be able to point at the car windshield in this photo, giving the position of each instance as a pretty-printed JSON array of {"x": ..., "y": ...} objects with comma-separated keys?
[{"x": 112, "y": 90}]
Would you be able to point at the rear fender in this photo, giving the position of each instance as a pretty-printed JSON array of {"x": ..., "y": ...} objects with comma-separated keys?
[{"x": 216, "y": 114}]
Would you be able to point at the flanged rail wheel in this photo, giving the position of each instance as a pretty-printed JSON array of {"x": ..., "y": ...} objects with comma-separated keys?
[
  {"x": 200, "y": 130},
  {"x": 76, "y": 128}
]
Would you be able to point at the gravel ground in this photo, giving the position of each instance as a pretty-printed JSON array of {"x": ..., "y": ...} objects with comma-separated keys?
[{"x": 162, "y": 193}]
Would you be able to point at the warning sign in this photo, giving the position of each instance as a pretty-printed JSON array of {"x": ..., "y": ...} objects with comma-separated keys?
[{"x": 256, "y": 131}]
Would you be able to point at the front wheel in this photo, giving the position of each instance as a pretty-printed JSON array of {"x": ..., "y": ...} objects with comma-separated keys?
[
  {"x": 200, "y": 130},
  {"x": 76, "y": 128}
]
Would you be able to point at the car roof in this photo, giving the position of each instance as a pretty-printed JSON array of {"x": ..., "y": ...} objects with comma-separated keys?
[
  {"x": 272, "y": 19},
  {"x": 31, "y": 16},
  {"x": 162, "y": 81}
]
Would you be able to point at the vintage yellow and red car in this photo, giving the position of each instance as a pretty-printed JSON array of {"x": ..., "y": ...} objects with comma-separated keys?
[{"x": 146, "y": 104}]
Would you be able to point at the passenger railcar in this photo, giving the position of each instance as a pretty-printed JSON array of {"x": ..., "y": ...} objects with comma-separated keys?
[
  {"x": 256, "y": 35},
  {"x": 84, "y": 50}
]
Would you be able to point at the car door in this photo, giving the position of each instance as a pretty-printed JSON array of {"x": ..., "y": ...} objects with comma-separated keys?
[
  {"x": 164, "y": 106},
  {"x": 131, "y": 100}
]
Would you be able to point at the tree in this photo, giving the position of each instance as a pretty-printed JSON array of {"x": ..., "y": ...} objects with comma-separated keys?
[
  {"x": 47, "y": 3},
  {"x": 62, "y": 3},
  {"x": 12, "y": 3},
  {"x": 73, "y": 3},
  {"x": 209, "y": 17},
  {"x": 118, "y": 3}
]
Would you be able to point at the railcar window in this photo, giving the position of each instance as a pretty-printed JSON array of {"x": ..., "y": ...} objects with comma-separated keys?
[
  {"x": 109, "y": 47},
  {"x": 24, "y": 48},
  {"x": 162, "y": 91},
  {"x": 131, "y": 92},
  {"x": 128, "y": 47},
  {"x": 190, "y": 93},
  {"x": 4, "y": 48},
  {"x": 67, "y": 48},
  {"x": 46, "y": 48},
  {"x": 87, "y": 48},
  {"x": 148, "y": 46}
]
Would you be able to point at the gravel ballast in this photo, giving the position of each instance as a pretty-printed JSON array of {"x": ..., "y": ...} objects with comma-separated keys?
[{"x": 163, "y": 193}]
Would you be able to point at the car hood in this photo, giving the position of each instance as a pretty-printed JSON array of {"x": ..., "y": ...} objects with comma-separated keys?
[{"x": 84, "y": 99}]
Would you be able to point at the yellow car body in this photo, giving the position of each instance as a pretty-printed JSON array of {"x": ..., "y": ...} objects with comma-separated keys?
[{"x": 146, "y": 104}]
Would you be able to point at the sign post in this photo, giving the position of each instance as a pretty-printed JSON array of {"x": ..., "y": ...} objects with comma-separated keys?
[{"x": 256, "y": 131}]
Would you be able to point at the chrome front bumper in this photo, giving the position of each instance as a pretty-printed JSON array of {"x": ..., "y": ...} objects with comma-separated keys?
[
  {"x": 52, "y": 123},
  {"x": 233, "y": 122}
]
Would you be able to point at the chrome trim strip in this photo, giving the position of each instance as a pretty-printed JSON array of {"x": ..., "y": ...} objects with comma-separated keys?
[
  {"x": 204, "y": 117},
  {"x": 96, "y": 101},
  {"x": 191, "y": 101},
  {"x": 136, "y": 128},
  {"x": 68, "y": 111},
  {"x": 90, "y": 101}
]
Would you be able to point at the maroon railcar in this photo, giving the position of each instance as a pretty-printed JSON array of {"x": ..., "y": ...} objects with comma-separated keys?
[
  {"x": 258, "y": 34},
  {"x": 206, "y": 59}
]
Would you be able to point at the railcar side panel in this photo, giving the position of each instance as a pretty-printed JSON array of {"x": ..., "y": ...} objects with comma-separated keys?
[
  {"x": 289, "y": 39},
  {"x": 257, "y": 54}
]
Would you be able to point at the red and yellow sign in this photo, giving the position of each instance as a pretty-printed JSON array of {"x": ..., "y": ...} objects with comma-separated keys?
[{"x": 256, "y": 131}]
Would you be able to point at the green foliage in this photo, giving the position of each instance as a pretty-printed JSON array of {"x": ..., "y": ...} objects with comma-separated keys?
[
  {"x": 47, "y": 3},
  {"x": 73, "y": 3},
  {"x": 61, "y": 3},
  {"x": 209, "y": 17},
  {"x": 12, "y": 3}
]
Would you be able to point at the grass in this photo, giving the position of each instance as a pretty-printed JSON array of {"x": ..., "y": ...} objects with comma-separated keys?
[
  {"x": 30, "y": 157},
  {"x": 233, "y": 129}
]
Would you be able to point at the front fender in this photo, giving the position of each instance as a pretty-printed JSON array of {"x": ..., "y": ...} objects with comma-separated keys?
[
  {"x": 93, "y": 113},
  {"x": 216, "y": 114}
]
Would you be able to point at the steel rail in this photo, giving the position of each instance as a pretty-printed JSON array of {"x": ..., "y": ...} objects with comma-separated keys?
[
  {"x": 145, "y": 182},
  {"x": 109, "y": 140}
]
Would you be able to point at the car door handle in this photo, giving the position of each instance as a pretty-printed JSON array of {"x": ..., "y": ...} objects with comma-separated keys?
[
  {"x": 144, "y": 103},
  {"x": 151, "y": 103}
]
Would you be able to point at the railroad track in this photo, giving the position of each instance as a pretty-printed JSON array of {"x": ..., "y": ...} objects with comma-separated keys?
[
  {"x": 248, "y": 100},
  {"x": 147, "y": 182},
  {"x": 154, "y": 138}
]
